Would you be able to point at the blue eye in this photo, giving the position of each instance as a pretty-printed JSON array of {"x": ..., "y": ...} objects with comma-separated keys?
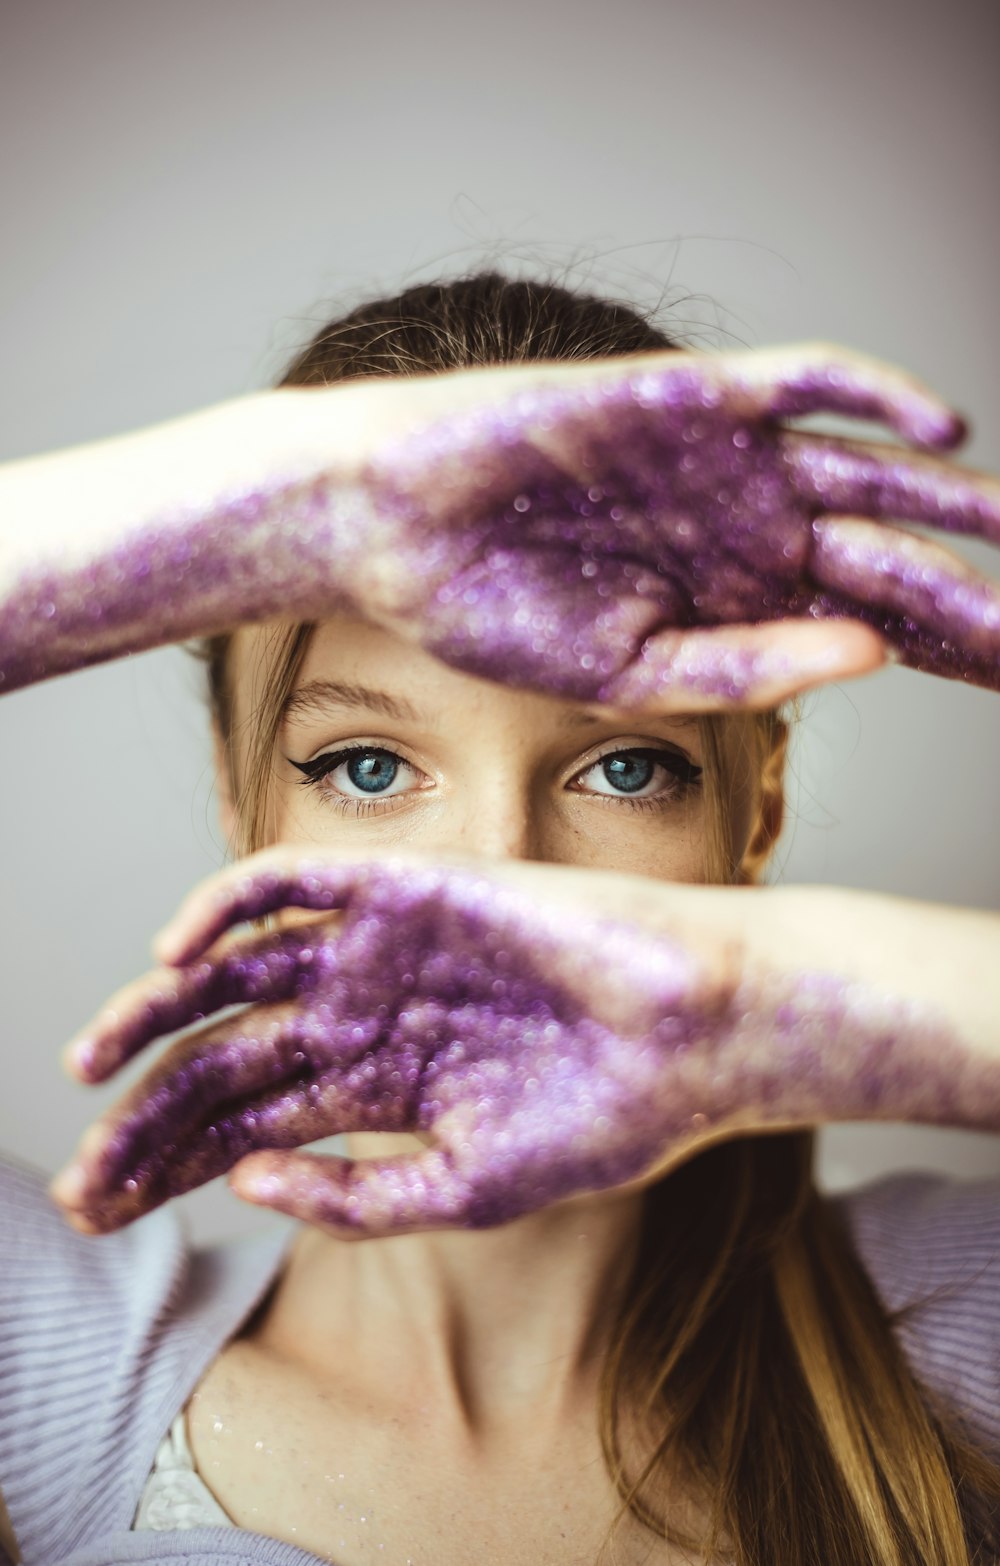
[
  {"x": 373, "y": 772},
  {"x": 630, "y": 773},
  {"x": 642, "y": 773},
  {"x": 366, "y": 768}
]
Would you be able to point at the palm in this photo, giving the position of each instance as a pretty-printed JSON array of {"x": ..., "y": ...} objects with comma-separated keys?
[
  {"x": 440, "y": 1005},
  {"x": 542, "y": 1052},
  {"x": 629, "y": 530},
  {"x": 569, "y": 540}
]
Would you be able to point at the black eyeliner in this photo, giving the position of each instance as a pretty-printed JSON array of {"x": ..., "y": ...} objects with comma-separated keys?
[{"x": 317, "y": 769}]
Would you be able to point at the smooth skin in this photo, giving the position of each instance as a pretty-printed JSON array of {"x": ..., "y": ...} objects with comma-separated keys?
[
  {"x": 464, "y": 768},
  {"x": 396, "y": 1353},
  {"x": 455, "y": 1410}
]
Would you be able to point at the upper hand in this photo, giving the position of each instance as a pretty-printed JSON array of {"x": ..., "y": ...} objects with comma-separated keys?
[
  {"x": 632, "y": 532},
  {"x": 640, "y": 530}
]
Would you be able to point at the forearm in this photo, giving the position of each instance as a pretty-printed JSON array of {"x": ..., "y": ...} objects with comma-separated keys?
[
  {"x": 264, "y": 506},
  {"x": 943, "y": 960},
  {"x": 148, "y": 538},
  {"x": 861, "y": 1006},
  {"x": 830, "y": 1006}
]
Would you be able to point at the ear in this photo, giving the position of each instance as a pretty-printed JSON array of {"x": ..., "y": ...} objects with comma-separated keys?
[
  {"x": 770, "y": 815},
  {"x": 767, "y": 827},
  {"x": 224, "y": 784}
]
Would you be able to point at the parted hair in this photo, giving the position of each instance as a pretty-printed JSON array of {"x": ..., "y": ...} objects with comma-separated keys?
[{"x": 753, "y": 1366}]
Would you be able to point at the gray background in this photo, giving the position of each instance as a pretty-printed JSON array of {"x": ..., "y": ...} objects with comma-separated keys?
[{"x": 184, "y": 189}]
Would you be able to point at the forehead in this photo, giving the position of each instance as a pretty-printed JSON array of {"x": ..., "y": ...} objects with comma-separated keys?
[
  {"x": 350, "y": 663},
  {"x": 350, "y": 666}
]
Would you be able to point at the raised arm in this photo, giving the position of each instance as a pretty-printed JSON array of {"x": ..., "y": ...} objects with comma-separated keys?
[
  {"x": 551, "y": 1030},
  {"x": 638, "y": 530},
  {"x": 141, "y": 540}
]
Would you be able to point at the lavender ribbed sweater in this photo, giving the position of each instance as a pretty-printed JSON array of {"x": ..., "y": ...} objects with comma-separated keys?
[{"x": 103, "y": 1340}]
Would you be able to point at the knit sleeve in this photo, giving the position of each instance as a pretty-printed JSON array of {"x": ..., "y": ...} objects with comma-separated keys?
[
  {"x": 102, "y": 1338},
  {"x": 933, "y": 1244},
  {"x": 74, "y": 1310}
]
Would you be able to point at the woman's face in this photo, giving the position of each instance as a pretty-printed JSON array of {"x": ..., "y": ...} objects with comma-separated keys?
[{"x": 382, "y": 746}]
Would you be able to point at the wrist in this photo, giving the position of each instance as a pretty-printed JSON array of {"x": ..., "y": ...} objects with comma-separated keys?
[{"x": 942, "y": 961}]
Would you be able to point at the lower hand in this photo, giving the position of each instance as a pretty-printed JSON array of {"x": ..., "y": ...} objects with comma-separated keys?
[{"x": 539, "y": 1048}]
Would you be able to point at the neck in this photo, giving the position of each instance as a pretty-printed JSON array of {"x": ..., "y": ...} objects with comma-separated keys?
[{"x": 489, "y": 1329}]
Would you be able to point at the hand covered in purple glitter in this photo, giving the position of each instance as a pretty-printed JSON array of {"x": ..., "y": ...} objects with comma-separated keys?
[
  {"x": 635, "y": 535},
  {"x": 542, "y": 1050},
  {"x": 640, "y": 530}
]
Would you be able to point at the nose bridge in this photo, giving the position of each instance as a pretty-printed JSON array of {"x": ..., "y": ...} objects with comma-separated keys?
[{"x": 502, "y": 816}]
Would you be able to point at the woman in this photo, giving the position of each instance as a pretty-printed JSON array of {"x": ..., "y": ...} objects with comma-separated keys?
[{"x": 484, "y": 965}]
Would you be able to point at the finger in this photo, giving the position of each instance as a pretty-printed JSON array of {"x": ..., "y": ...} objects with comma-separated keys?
[
  {"x": 228, "y": 1094},
  {"x": 365, "y": 1198},
  {"x": 777, "y": 383},
  {"x": 279, "y": 1118},
  {"x": 277, "y": 878},
  {"x": 788, "y": 381},
  {"x": 853, "y": 479},
  {"x": 821, "y": 377},
  {"x": 268, "y": 967},
  {"x": 480, "y": 439},
  {"x": 185, "y": 1089},
  {"x": 744, "y": 666},
  {"x": 940, "y": 613}
]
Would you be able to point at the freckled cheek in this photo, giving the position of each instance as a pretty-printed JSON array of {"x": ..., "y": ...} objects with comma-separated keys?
[
  {"x": 305, "y": 817},
  {"x": 296, "y": 817},
  {"x": 667, "y": 848}
]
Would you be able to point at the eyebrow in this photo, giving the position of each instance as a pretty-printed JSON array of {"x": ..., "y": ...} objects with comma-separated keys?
[{"x": 317, "y": 695}]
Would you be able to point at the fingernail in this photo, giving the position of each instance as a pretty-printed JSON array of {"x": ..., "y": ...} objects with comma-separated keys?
[
  {"x": 81, "y": 1223},
  {"x": 253, "y": 1186},
  {"x": 69, "y": 1184},
  {"x": 819, "y": 660},
  {"x": 948, "y": 433},
  {"x": 164, "y": 944},
  {"x": 77, "y": 1058}
]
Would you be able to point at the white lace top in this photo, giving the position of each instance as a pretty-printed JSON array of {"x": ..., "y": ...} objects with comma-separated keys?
[{"x": 175, "y": 1496}]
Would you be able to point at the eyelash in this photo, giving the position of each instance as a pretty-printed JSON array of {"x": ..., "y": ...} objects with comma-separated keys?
[{"x": 686, "y": 777}]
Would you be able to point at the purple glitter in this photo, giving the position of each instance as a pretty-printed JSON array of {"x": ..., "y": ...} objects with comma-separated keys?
[
  {"x": 547, "y": 1054},
  {"x": 544, "y": 540}
]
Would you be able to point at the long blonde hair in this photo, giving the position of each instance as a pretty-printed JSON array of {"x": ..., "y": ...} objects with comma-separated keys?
[{"x": 751, "y": 1354}]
